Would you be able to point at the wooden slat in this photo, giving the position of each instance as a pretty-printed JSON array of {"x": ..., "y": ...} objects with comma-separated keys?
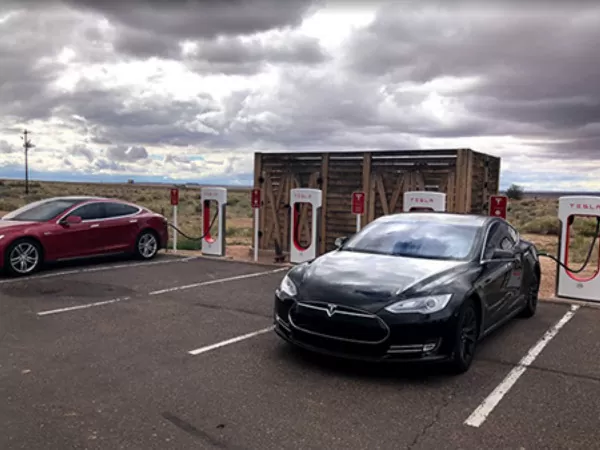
[
  {"x": 324, "y": 208},
  {"x": 468, "y": 182}
]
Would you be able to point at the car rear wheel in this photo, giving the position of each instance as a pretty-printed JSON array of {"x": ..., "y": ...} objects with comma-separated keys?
[
  {"x": 466, "y": 338},
  {"x": 146, "y": 246},
  {"x": 532, "y": 298},
  {"x": 23, "y": 257}
]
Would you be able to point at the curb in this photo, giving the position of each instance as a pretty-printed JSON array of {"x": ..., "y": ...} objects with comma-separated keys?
[{"x": 568, "y": 301}]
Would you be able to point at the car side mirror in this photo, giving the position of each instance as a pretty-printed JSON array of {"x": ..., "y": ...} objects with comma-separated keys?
[
  {"x": 340, "y": 241},
  {"x": 71, "y": 220},
  {"x": 503, "y": 254}
]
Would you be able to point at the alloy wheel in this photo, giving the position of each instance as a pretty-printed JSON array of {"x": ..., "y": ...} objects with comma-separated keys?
[
  {"x": 24, "y": 258},
  {"x": 533, "y": 295},
  {"x": 147, "y": 245},
  {"x": 468, "y": 335}
]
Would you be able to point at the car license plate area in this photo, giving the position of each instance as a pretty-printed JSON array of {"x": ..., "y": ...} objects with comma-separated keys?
[
  {"x": 366, "y": 351},
  {"x": 339, "y": 325}
]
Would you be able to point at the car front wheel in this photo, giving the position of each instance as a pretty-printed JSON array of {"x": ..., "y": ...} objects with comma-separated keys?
[
  {"x": 532, "y": 298},
  {"x": 466, "y": 338},
  {"x": 146, "y": 246},
  {"x": 23, "y": 257}
]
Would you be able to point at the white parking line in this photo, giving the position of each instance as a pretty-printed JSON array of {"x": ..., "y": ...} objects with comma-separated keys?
[
  {"x": 478, "y": 416},
  {"x": 219, "y": 280},
  {"x": 88, "y": 305},
  {"x": 98, "y": 269},
  {"x": 229, "y": 341}
]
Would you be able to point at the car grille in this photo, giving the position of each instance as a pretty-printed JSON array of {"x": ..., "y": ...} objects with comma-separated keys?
[{"x": 338, "y": 322}]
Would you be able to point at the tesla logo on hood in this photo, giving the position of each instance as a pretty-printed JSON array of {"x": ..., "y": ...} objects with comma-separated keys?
[{"x": 331, "y": 309}]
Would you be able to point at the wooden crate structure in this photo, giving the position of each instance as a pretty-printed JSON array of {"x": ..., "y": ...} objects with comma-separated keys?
[{"x": 467, "y": 177}]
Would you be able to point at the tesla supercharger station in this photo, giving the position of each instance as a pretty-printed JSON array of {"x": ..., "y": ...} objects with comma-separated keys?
[
  {"x": 211, "y": 245},
  {"x": 314, "y": 197},
  {"x": 424, "y": 201},
  {"x": 576, "y": 286}
]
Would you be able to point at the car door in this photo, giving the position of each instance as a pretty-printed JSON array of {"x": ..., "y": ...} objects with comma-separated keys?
[
  {"x": 515, "y": 280},
  {"x": 80, "y": 239},
  {"x": 496, "y": 274},
  {"x": 119, "y": 227}
]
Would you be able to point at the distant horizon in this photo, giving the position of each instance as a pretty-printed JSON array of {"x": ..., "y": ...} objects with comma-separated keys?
[{"x": 216, "y": 182}]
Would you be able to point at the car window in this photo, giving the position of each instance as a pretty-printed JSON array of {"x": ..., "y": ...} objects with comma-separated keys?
[
  {"x": 119, "y": 209},
  {"x": 514, "y": 234},
  {"x": 499, "y": 237},
  {"x": 42, "y": 210},
  {"x": 91, "y": 211},
  {"x": 425, "y": 238}
]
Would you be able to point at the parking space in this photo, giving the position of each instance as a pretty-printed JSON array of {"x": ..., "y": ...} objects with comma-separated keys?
[{"x": 160, "y": 367}]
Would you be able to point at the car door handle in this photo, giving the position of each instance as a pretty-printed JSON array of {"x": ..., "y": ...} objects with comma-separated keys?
[
  {"x": 96, "y": 225},
  {"x": 133, "y": 221}
]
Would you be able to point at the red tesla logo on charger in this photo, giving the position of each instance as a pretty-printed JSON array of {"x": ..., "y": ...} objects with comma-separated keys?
[
  {"x": 358, "y": 203},
  {"x": 174, "y": 196},
  {"x": 255, "y": 198},
  {"x": 498, "y": 206}
]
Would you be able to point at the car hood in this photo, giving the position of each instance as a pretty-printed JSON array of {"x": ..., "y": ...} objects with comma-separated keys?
[
  {"x": 366, "y": 281},
  {"x": 7, "y": 225}
]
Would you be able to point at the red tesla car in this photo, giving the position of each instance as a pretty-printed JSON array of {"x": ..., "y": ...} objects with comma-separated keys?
[{"x": 65, "y": 228}]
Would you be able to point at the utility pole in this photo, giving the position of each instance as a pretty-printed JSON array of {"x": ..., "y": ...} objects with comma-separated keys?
[{"x": 26, "y": 145}]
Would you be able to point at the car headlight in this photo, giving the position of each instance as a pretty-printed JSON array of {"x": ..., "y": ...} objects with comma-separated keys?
[
  {"x": 288, "y": 287},
  {"x": 423, "y": 305}
]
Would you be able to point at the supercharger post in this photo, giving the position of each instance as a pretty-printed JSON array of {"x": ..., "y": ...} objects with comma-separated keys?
[
  {"x": 568, "y": 284},
  {"x": 210, "y": 245},
  {"x": 314, "y": 197},
  {"x": 358, "y": 207},
  {"x": 424, "y": 201},
  {"x": 175, "y": 203}
]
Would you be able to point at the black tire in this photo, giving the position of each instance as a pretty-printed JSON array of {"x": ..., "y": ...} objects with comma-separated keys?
[
  {"x": 146, "y": 245},
  {"x": 467, "y": 336},
  {"x": 28, "y": 249},
  {"x": 531, "y": 297}
]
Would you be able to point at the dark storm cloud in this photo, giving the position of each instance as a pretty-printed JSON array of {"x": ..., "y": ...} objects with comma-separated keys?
[
  {"x": 200, "y": 19},
  {"x": 127, "y": 154},
  {"x": 143, "y": 32},
  {"x": 80, "y": 150},
  {"x": 115, "y": 116},
  {"x": 235, "y": 55},
  {"x": 536, "y": 67},
  {"x": 29, "y": 65}
]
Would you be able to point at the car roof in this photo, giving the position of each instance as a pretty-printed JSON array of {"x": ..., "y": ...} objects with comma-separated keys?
[
  {"x": 85, "y": 198},
  {"x": 443, "y": 217}
]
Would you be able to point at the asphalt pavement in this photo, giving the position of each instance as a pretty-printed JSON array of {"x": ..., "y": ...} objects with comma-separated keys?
[{"x": 179, "y": 354}]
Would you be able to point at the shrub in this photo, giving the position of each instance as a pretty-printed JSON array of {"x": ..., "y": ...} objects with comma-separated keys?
[
  {"x": 548, "y": 225},
  {"x": 515, "y": 192},
  {"x": 584, "y": 227}
]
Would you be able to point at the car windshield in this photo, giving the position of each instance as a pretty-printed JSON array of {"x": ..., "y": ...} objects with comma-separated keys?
[
  {"x": 41, "y": 211},
  {"x": 431, "y": 239}
]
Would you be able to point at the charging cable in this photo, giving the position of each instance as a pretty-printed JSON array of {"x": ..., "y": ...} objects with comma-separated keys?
[
  {"x": 196, "y": 238},
  {"x": 587, "y": 259}
]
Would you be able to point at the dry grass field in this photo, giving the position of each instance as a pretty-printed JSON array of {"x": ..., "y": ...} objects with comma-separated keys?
[{"x": 536, "y": 219}]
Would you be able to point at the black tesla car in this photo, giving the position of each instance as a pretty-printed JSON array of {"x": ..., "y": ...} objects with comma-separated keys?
[{"x": 411, "y": 287}]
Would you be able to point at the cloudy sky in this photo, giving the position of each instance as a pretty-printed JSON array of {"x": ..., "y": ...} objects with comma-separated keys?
[{"x": 189, "y": 90}]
